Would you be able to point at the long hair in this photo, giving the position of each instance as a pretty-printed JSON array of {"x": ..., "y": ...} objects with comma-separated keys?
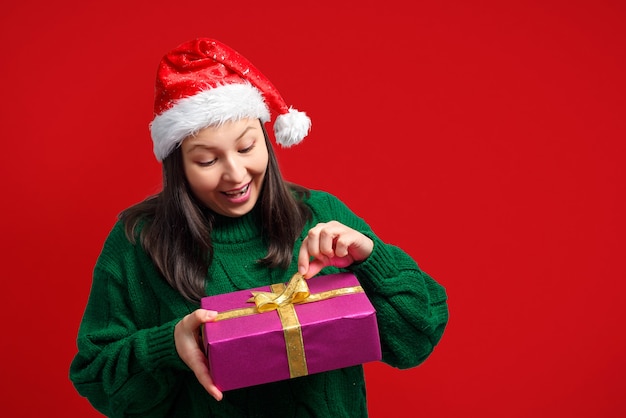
[{"x": 175, "y": 228}]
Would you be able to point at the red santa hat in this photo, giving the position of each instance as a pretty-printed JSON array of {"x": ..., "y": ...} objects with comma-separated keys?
[{"x": 203, "y": 83}]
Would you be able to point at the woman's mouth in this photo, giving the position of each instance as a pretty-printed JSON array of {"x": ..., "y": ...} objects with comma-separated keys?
[{"x": 237, "y": 193}]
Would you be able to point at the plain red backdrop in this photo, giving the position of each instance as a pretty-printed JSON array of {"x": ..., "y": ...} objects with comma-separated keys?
[{"x": 486, "y": 138}]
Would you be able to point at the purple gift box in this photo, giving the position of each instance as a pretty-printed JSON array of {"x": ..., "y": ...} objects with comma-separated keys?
[{"x": 338, "y": 330}]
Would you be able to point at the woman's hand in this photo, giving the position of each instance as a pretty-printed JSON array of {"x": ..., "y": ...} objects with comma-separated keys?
[
  {"x": 332, "y": 244},
  {"x": 187, "y": 340}
]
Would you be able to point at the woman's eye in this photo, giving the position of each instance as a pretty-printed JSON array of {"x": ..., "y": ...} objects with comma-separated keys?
[
  {"x": 246, "y": 150},
  {"x": 206, "y": 163}
]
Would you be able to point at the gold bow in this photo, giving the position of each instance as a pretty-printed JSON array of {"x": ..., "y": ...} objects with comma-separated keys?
[{"x": 296, "y": 291}]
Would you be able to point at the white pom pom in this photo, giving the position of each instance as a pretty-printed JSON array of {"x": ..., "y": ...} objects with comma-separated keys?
[{"x": 291, "y": 128}]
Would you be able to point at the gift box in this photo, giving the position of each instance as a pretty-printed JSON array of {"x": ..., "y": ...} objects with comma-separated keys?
[{"x": 289, "y": 330}]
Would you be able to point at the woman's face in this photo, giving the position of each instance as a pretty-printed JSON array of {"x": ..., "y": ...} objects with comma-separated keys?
[{"x": 225, "y": 165}]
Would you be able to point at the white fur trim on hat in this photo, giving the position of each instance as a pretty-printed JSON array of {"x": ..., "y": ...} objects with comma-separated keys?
[{"x": 211, "y": 107}]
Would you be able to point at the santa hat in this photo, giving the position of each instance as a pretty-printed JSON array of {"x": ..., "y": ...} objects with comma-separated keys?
[{"x": 204, "y": 82}]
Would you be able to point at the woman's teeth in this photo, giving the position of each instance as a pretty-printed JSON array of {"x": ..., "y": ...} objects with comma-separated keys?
[{"x": 238, "y": 192}]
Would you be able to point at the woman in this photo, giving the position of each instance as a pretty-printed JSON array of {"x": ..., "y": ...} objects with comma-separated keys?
[{"x": 226, "y": 220}]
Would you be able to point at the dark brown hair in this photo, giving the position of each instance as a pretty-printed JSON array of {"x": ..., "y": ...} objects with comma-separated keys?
[{"x": 176, "y": 228}]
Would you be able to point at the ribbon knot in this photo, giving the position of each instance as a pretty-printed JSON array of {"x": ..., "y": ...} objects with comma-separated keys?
[{"x": 296, "y": 291}]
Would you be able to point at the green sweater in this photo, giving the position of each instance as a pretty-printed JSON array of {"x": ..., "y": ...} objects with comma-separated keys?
[{"x": 127, "y": 364}]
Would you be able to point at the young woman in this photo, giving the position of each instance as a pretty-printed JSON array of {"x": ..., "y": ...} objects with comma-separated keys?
[{"x": 226, "y": 220}]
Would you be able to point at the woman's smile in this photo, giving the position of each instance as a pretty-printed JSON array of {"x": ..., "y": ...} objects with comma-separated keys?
[{"x": 238, "y": 195}]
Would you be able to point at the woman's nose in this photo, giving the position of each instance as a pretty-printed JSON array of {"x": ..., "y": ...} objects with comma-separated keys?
[{"x": 234, "y": 170}]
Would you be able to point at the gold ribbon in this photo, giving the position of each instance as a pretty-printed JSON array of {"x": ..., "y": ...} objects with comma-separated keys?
[
  {"x": 282, "y": 299},
  {"x": 297, "y": 291}
]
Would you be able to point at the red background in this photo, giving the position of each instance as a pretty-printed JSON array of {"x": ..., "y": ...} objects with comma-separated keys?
[{"x": 486, "y": 138}]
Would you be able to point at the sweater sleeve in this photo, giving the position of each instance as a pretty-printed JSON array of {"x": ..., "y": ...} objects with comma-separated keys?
[
  {"x": 124, "y": 365},
  {"x": 411, "y": 307}
]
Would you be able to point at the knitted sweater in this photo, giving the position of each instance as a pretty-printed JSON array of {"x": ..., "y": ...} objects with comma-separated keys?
[{"x": 127, "y": 364}]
